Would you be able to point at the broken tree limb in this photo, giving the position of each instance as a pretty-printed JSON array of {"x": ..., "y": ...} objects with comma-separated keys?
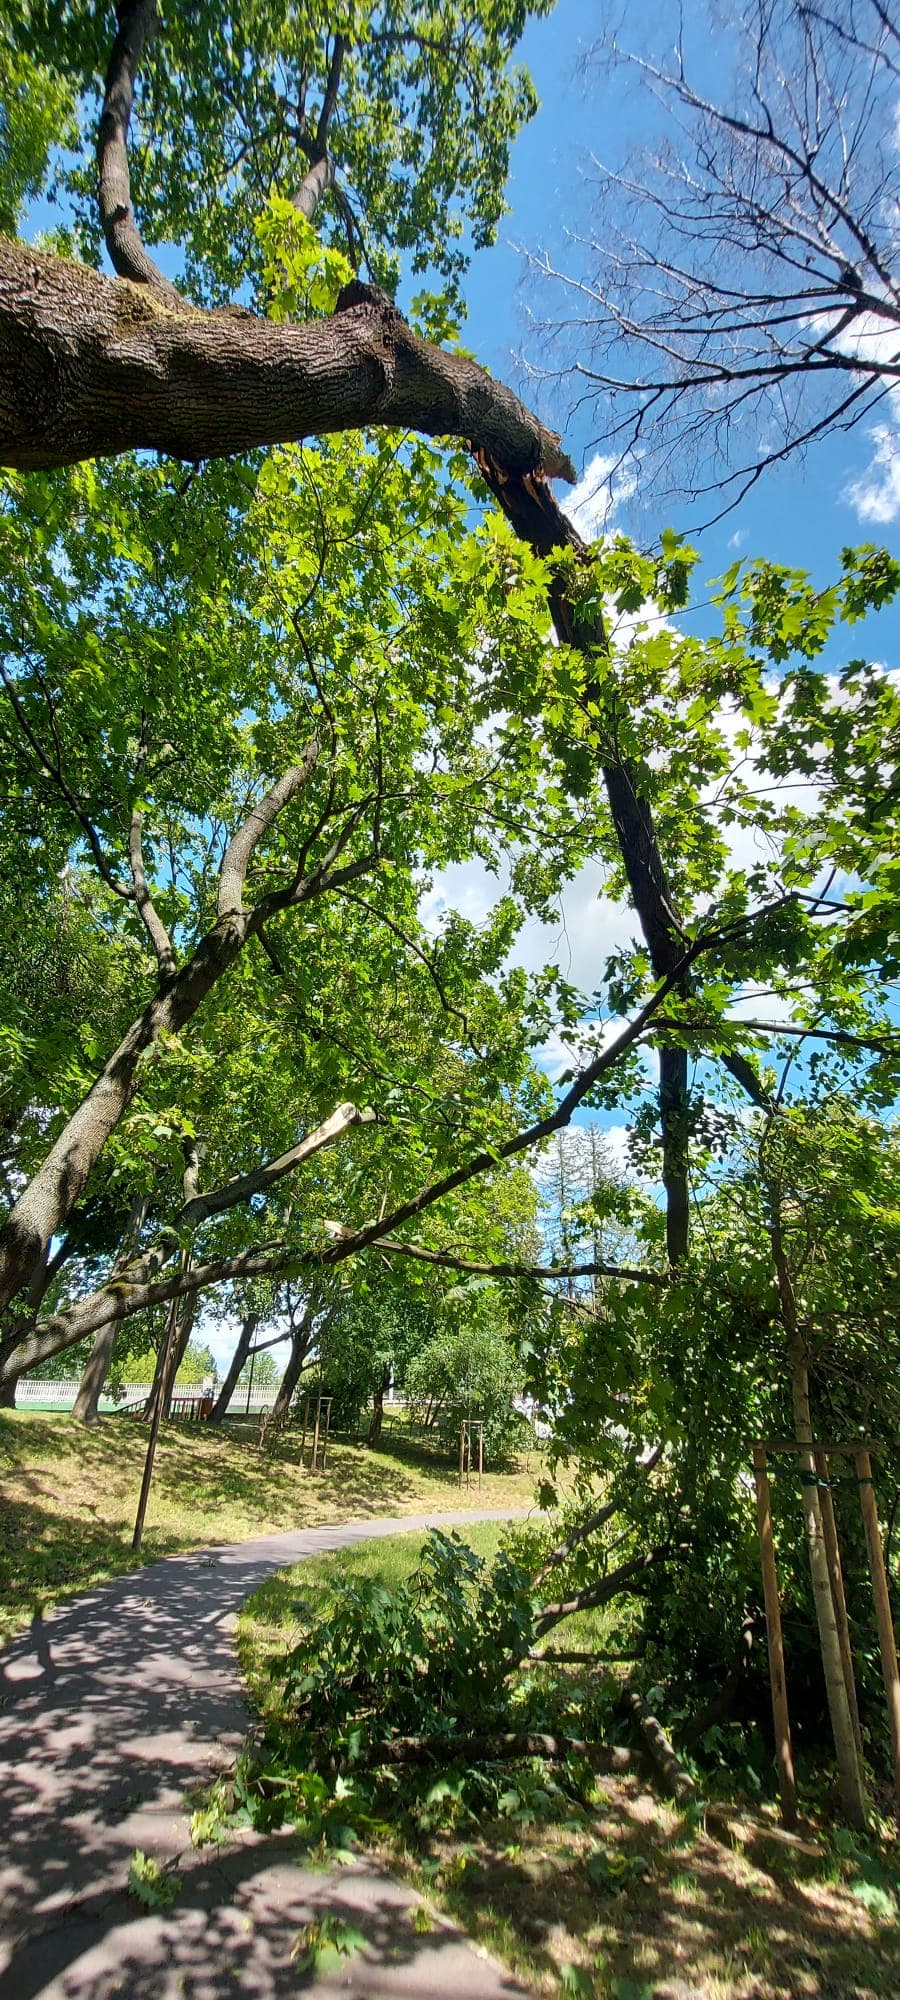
[
  {"x": 663, "y": 1754},
  {"x": 484, "y": 1748}
]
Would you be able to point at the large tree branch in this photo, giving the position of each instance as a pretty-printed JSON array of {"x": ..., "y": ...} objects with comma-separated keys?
[
  {"x": 447, "y": 1260},
  {"x": 137, "y": 21},
  {"x": 92, "y": 365},
  {"x": 150, "y": 917},
  {"x": 43, "y": 1206},
  {"x": 245, "y": 1186},
  {"x": 591, "y": 1526},
  {"x": 236, "y": 859}
]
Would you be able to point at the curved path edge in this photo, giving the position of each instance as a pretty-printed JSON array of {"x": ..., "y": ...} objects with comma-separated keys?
[{"x": 111, "y": 1709}]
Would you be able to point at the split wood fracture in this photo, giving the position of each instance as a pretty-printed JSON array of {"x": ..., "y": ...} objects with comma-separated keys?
[
  {"x": 787, "y": 1783},
  {"x": 886, "y": 1639}
]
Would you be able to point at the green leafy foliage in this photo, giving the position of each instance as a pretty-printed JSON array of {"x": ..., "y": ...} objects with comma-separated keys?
[
  {"x": 427, "y": 1655},
  {"x": 152, "y": 1884}
]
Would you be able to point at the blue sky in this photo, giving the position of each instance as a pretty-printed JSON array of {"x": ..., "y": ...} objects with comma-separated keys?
[{"x": 801, "y": 514}]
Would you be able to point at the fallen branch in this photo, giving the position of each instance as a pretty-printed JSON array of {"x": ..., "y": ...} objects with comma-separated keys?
[
  {"x": 487, "y": 1749},
  {"x": 663, "y": 1753}
]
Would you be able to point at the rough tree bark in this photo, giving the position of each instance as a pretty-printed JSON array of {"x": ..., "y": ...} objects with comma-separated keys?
[{"x": 91, "y": 365}]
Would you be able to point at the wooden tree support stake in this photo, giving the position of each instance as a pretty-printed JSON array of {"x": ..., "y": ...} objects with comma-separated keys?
[
  {"x": 886, "y": 1639},
  {"x": 836, "y": 1575},
  {"x": 787, "y": 1783}
]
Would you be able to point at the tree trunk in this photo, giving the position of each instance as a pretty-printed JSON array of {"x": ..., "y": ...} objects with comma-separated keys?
[
  {"x": 377, "y": 1420},
  {"x": 91, "y": 365},
  {"x": 87, "y": 1402},
  {"x": 8, "y": 1392},
  {"x": 301, "y": 1342},
  {"x": 45, "y": 1204},
  {"x": 248, "y": 1329}
]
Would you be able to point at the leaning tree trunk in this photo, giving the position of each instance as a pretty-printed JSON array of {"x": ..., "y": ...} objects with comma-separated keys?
[
  {"x": 301, "y": 1343},
  {"x": 248, "y": 1329},
  {"x": 86, "y": 1406}
]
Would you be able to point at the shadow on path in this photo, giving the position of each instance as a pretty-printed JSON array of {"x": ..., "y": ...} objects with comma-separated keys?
[{"x": 111, "y": 1707}]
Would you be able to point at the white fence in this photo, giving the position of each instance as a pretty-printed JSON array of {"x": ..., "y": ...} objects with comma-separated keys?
[{"x": 61, "y": 1395}]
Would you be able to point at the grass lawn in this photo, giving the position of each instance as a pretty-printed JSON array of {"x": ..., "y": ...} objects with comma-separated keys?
[
  {"x": 627, "y": 1899},
  {"x": 68, "y": 1496}
]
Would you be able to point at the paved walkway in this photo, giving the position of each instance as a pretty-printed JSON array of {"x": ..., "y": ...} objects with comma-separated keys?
[{"x": 109, "y": 1709}]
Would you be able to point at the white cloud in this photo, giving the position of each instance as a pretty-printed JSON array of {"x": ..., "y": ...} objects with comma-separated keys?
[
  {"x": 604, "y": 484},
  {"x": 876, "y": 497}
]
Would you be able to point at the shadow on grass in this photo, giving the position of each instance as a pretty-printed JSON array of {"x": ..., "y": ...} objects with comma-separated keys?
[
  {"x": 684, "y": 1914},
  {"x": 68, "y": 1496}
]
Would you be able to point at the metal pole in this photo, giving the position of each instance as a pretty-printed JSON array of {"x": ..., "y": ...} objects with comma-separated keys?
[
  {"x": 881, "y": 1593},
  {"x": 787, "y": 1783}
]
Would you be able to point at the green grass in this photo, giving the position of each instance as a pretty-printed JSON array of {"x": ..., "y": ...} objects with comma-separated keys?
[
  {"x": 623, "y": 1899},
  {"x": 68, "y": 1496}
]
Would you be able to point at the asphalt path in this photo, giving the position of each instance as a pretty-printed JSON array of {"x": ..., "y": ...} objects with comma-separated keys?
[{"x": 111, "y": 1710}]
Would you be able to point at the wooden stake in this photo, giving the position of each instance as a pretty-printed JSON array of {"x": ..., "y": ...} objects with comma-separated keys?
[
  {"x": 836, "y": 1575},
  {"x": 787, "y": 1784},
  {"x": 480, "y": 1455},
  {"x": 315, "y": 1443},
  {"x": 462, "y": 1451},
  {"x": 882, "y": 1607},
  {"x": 303, "y": 1437}
]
